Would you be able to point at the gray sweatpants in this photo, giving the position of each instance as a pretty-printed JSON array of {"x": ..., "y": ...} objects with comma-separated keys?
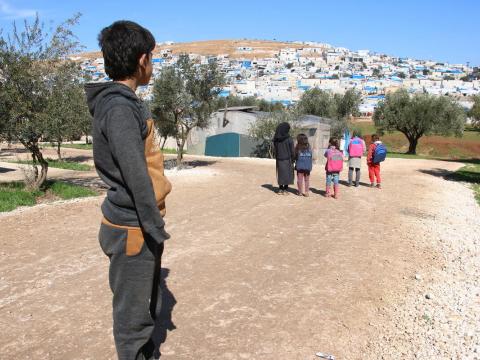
[
  {"x": 135, "y": 283},
  {"x": 357, "y": 176}
]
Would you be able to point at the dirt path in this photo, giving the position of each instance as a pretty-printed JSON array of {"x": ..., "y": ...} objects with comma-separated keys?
[{"x": 251, "y": 275}]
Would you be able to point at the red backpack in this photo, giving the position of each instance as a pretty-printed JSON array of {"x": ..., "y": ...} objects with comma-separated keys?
[{"x": 334, "y": 160}]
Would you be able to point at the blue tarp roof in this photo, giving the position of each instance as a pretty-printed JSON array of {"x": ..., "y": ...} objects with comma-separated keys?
[{"x": 284, "y": 102}]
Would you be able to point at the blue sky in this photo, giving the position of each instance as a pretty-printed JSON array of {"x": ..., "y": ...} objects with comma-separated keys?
[{"x": 443, "y": 30}]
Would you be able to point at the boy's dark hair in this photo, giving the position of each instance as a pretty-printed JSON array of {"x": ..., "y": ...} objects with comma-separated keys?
[
  {"x": 375, "y": 137},
  {"x": 357, "y": 133},
  {"x": 302, "y": 143},
  {"x": 122, "y": 44},
  {"x": 334, "y": 141}
]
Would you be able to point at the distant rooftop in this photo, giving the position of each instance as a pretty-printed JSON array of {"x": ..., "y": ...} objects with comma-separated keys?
[{"x": 240, "y": 108}]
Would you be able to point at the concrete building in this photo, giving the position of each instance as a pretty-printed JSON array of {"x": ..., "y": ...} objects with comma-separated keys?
[
  {"x": 227, "y": 134},
  {"x": 317, "y": 130}
]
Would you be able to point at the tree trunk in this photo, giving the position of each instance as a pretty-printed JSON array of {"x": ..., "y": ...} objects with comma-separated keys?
[
  {"x": 37, "y": 156},
  {"x": 163, "y": 144},
  {"x": 59, "y": 153},
  {"x": 43, "y": 173},
  {"x": 180, "y": 155},
  {"x": 179, "y": 152},
  {"x": 412, "y": 147},
  {"x": 181, "y": 143},
  {"x": 44, "y": 167}
]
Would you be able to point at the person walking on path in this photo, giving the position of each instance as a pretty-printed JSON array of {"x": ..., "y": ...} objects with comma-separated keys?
[
  {"x": 356, "y": 149},
  {"x": 333, "y": 167},
  {"x": 128, "y": 159},
  {"x": 303, "y": 164},
  {"x": 374, "y": 167},
  {"x": 284, "y": 156}
]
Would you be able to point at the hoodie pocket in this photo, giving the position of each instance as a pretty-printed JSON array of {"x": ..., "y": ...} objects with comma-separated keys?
[{"x": 113, "y": 237}]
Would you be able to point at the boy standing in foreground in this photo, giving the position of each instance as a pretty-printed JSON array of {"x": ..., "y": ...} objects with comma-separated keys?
[{"x": 127, "y": 159}]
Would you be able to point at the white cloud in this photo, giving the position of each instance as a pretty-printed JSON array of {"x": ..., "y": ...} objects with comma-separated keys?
[{"x": 9, "y": 12}]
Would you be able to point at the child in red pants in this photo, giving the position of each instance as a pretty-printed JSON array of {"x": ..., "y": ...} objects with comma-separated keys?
[{"x": 374, "y": 168}]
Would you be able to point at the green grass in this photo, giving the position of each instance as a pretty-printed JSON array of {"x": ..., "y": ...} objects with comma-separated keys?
[
  {"x": 60, "y": 164},
  {"x": 14, "y": 194},
  {"x": 366, "y": 128},
  {"x": 429, "y": 147},
  {"x": 79, "y": 146},
  {"x": 171, "y": 151},
  {"x": 67, "y": 191},
  {"x": 476, "y": 190},
  {"x": 470, "y": 174},
  {"x": 90, "y": 147}
]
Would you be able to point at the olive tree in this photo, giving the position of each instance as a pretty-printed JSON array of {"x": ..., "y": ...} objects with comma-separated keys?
[
  {"x": 68, "y": 117},
  {"x": 474, "y": 112},
  {"x": 29, "y": 60},
  {"x": 338, "y": 107},
  {"x": 419, "y": 115},
  {"x": 184, "y": 98},
  {"x": 263, "y": 129}
]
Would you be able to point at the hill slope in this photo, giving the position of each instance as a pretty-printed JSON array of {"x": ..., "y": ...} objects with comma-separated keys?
[{"x": 260, "y": 48}]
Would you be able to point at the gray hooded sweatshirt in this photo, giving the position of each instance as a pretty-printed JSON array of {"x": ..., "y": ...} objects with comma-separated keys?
[{"x": 127, "y": 159}]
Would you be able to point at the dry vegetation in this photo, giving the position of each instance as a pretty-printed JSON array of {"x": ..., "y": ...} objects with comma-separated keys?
[{"x": 260, "y": 48}]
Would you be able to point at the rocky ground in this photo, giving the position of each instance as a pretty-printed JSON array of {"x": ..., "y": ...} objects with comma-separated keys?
[
  {"x": 389, "y": 273},
  {"x": 440, "y": 317}
]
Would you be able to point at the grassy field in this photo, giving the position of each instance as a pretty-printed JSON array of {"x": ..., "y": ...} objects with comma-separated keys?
[
  {"x": 437, "y": 147},
  {"x": 78, "y": 146},
  {"x": 470, "y": 174},
  {"x": 171, "y": 151},
  {"x": 14, "y": 194},
  {"x": 60, "y": 164},
  {"x": 90, "y": 147}
]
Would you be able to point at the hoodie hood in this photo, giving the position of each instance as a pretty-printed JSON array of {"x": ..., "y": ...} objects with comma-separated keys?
[
  {"x": 97, "y": 92},
  {"x": 377, "y": 142}
]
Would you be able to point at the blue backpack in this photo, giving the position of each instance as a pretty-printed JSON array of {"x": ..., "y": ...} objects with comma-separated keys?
[
  {"x": 304, "y": 161},
  {"x": 380, "y": 153}
]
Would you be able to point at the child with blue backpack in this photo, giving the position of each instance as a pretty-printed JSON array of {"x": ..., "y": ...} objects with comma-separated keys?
[
  {"x": 333, "y": 167},
  {"x": 303, "y": 164},
  {"x": 376, "y": 154}
]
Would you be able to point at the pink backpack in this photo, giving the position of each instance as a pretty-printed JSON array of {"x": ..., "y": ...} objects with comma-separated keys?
[
  {"x": 334, "y": 160},
  {"x": 355, "y": 149}
]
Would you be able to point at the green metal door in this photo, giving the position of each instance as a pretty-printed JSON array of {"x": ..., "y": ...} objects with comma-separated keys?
[{"x": 226, "y": 145}]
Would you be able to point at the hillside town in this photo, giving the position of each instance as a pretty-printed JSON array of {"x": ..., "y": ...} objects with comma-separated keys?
[
  {"x": 242, "y": 197},
  {"x": 288, "y": 73}
]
